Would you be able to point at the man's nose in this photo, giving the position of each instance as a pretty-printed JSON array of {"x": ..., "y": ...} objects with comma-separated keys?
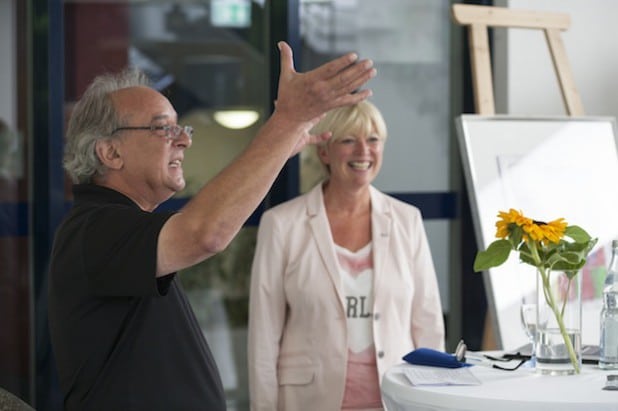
[{"x": 183, "y": 140}]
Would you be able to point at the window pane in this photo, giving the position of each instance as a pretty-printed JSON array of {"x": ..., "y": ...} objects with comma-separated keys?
[
  {"x": 409, "y": 42},
  {"x": 15, "y": 282}
]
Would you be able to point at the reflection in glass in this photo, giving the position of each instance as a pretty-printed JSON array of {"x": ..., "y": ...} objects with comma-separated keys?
[
  {"x": 15, "y": 282},
  {"x": 218, "y": 289}
]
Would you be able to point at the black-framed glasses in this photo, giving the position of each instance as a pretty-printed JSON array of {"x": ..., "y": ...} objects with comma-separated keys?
[{"x": 172, "y": 132}]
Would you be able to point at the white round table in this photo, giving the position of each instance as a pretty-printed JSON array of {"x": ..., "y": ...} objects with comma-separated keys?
[{"x": 518, "y": 390}]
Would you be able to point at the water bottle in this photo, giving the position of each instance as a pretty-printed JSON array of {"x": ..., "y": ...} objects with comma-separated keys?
[{"x": 608, "y": 345}]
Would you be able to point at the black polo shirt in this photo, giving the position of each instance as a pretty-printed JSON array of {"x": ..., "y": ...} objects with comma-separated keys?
[{"x": 123, "y": 339}]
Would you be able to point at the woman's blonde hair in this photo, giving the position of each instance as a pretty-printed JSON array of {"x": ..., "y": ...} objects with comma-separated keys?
[{"x": 362, "y": 118}]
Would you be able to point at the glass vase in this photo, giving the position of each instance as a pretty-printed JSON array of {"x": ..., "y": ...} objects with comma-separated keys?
[{"x": 559, "y": 323}]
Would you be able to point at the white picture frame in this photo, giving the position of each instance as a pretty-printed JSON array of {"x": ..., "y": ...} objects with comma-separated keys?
[{"x": 547, "y": 168}]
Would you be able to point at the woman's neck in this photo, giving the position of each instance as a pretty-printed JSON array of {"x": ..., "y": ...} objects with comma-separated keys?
[{"x": 344, "y": 200}]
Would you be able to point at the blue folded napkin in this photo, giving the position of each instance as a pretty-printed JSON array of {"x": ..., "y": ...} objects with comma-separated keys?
[{"x": 433, "y": 358}]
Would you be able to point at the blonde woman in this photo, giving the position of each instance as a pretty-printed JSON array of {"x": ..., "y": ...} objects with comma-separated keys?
[{"x": 343, "y": 283}]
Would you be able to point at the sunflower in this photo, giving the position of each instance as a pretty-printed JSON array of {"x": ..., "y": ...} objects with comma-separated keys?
[
  {"x": 533, "y": 230},
  {"x": 545, "y": 233},
  {"x": 509, "y": 220},
  {"x": 546, "y": 246}
]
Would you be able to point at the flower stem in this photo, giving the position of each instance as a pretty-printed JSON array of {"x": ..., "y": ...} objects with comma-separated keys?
[
  {"x": 549, "y": 298},
  {"x": 566, "y": 297}
]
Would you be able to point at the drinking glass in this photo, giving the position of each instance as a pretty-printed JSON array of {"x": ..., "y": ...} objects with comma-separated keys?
[{"x": 528, "y": 321}]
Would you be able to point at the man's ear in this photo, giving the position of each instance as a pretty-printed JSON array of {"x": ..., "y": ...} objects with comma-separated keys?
[{"x": 107, "y": 151}]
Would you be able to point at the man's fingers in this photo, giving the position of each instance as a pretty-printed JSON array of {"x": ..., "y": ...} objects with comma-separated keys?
[
  {"x": 347, "y": 90},
  {"x": 320, "y": 138},
  {"x": 334, "y": 84},
  {"x": 287, "y": 57},
  {"x": 353, "y": 76},
  {"x": 332, "y": 68},
  {"x": 312, "y": 139},
  {"x": 349, "y": 99}
]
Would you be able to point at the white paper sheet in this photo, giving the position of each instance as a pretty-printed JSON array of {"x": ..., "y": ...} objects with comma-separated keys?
[{"x": 421, "y": 375}]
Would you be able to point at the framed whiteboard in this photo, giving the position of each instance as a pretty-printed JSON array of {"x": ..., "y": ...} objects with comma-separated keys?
[{"x": 547, "y": 168}]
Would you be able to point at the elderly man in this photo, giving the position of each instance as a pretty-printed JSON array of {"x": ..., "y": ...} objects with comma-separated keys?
[{"x": 124, "y": 335}]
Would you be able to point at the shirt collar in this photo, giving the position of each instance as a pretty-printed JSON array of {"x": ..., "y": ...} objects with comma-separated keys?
[{"x": 93, "y": 193}]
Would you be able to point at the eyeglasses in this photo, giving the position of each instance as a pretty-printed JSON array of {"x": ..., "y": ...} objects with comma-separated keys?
[
  {"x": 462, "y": 354},
  {"x": 172, "y": 132}
]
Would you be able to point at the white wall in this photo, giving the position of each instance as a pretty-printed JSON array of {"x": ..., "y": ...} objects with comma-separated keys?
[
  {"x": 525, "y": 81},
  {"x": 7, "y": 63}
]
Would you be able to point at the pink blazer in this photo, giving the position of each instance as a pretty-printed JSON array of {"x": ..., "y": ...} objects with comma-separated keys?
[{"x": 297, "y": 348}]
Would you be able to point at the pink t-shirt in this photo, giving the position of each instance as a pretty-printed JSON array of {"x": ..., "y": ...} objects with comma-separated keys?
[{"x": 362, "y": 387}]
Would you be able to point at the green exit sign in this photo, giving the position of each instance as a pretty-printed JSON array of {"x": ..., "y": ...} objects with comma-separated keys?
[{"x": 230, "y": 13}]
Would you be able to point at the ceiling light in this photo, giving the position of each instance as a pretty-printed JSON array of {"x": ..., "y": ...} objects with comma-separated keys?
[{"x": 236, "y": 119}]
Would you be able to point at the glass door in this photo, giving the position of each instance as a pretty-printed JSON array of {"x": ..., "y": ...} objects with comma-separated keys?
[
  {"x": 211, "y": 59},
  {"x": 410, "y": 44}
]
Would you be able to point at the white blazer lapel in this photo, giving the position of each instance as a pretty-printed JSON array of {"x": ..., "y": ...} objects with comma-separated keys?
[
  {"x": 320, "y": 231},
  {"x": 381, "y": 225}
]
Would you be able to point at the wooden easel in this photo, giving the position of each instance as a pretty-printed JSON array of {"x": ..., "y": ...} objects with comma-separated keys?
[{"x": 478, "y": 19}]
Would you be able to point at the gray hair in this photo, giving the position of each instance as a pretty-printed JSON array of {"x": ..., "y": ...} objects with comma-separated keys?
[{"x": 94, "y": 117}]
